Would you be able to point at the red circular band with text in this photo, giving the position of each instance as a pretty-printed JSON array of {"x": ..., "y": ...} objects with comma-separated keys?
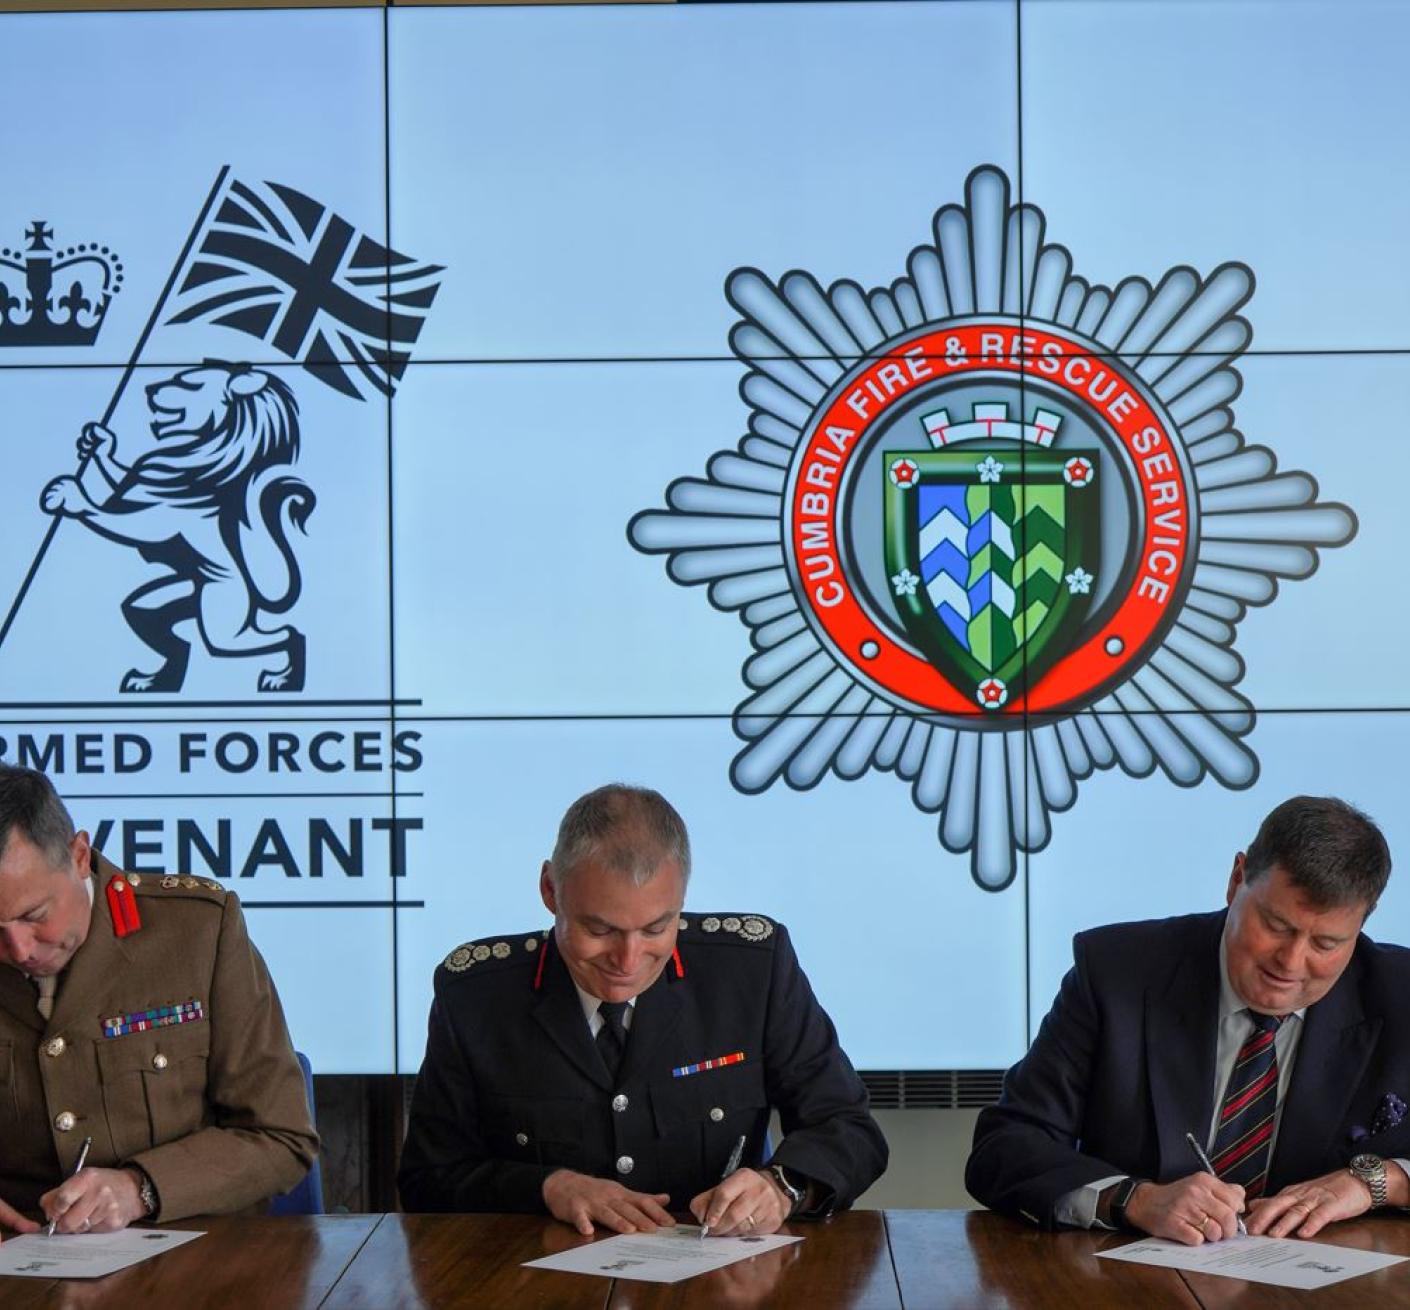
[{"x": 815, "y": 530}]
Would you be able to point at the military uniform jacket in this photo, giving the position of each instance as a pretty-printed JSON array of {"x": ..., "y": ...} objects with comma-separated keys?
[
  {"x": 212, "y": 1108},
  {"x": 513, "y": 1088}
]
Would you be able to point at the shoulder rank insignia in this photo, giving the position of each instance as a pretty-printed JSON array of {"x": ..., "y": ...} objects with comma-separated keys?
[
  {"x": 122, "y": 906},
  {"x": 473, "y": 953},
  {"x": 177, "y": 882},
  {"x": 751, "y": 927}
]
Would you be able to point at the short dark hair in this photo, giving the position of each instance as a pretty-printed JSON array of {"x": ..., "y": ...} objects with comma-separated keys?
[
  {"x": 30, "y": 805},
  {"x": 632, "y": 830},
  {"x": 1331, "y": 851}
]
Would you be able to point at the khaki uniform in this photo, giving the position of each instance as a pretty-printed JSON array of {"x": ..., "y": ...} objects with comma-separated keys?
[{"x": 213, "y": 1108}]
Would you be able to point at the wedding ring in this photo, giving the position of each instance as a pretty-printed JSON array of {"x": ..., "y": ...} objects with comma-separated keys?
[{"x": 749, "y": 1219}]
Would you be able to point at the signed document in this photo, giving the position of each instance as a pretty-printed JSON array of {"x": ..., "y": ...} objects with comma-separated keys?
[
  {"x": 86, "y": 1255},
  {"x": 1279, "y": 1261},
  {"x": 664, "y": 1257}
]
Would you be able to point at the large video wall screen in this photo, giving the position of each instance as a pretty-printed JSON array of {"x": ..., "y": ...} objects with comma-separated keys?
[{"x": 950, "y": 449}]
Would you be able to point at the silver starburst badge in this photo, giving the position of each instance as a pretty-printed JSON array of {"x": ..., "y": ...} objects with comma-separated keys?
[{"x": 992, "y": 528}]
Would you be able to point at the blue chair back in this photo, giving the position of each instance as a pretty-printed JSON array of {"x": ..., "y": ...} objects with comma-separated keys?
[{"x": 307, "y": 1197}]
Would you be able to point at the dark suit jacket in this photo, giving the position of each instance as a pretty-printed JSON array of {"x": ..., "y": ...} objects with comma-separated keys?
[
  {"x": 1123, "y": 1067},
  {"x": 513, "y": 1088}
]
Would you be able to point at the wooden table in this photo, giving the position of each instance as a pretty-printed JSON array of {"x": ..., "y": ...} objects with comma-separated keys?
[{"x": 865, "y": 1260}]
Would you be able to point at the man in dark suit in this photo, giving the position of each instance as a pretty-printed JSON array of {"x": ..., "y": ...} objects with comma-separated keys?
[
  {"x": 606, "y": 1071},
  {"x": 1274, "y": 1032}
]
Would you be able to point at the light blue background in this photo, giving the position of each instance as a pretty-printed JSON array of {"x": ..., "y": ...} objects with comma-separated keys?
[{"x": 589, "y": 177}]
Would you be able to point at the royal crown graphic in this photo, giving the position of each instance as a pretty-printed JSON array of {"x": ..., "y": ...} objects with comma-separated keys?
[{"x": 54, "y": 297}]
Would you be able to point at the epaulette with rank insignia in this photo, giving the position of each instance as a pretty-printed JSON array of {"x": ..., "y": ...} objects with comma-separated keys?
[
  {"x": 494, "y": 950},
  {"x": 122, "y": 889},
  {"x": 726, "y": 927},
  {"x": 183, "y": 884}
]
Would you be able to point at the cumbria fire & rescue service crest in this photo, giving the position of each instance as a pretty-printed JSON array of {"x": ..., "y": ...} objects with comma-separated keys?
[{"x": 992, "y": 528}]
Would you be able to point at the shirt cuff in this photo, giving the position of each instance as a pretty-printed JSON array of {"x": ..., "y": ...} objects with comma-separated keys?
[{"x": 1078, "y": 1208}]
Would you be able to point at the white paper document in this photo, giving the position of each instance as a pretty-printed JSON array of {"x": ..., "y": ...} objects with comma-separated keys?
[
  {"x": 1280, "y": 1261},
  {"x": 664, "y": 1257},
  {"x": 86, "y": 1255}
]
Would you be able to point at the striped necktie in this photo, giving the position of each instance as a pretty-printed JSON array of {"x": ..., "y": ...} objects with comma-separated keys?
[
  {"x": 1243, "y": 1142},
  {"x": 46, "y": 987}
]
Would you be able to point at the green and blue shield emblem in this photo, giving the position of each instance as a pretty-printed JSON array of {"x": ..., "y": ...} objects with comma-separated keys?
[{"x": 992, "y": 556}]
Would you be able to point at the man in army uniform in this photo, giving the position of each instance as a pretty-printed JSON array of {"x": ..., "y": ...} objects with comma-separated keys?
[
  {"x": 135, "y": 1011},
  {"x": 605, "y": 1072}
]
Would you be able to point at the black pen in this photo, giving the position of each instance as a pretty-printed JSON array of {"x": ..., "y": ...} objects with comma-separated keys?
[
  {"x": 1209, "y": 1169},
  {"x": 735, "y": 1156},
  {"x": 82, "y": 1156}
]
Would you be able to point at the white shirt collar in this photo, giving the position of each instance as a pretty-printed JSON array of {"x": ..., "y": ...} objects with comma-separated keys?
[{"x": 589, "y": 1002}]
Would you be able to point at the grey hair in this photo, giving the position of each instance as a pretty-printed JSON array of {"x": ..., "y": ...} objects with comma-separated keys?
[
  {"x": 631, "y": 830},
  {"x": 30, "y": 805}
]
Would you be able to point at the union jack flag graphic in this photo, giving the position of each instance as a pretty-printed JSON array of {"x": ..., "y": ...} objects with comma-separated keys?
[{"x": 280, "y": 266}]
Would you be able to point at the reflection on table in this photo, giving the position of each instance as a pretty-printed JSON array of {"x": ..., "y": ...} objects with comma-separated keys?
[{"x": 863, "y": 1260}]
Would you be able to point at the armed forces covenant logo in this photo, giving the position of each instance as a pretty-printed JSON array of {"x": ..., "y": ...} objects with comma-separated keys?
[{"x": 992, "y": 528}]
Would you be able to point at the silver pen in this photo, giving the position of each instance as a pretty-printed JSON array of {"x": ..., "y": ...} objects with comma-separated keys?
[
  {"x": 1209, "y": 1169},
  {"x": 735, "y": 1156},
  {"x": 82, "y": 1156}
]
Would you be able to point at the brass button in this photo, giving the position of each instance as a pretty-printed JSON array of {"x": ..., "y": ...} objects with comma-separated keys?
[
  {"x": 716, "y": 1114},
  {"x": 65, "y": 1120},
  {"x": 159, "y": 1062},
  {"x": 625, "y": 1164},
  {"x": 522, "y": 1138},
  {"x": 619, "y": 1103},
  {"x": 54, "y": 1046}
]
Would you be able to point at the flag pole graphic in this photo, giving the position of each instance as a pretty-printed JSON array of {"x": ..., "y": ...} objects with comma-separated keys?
[{"x": 118, "y": 390}]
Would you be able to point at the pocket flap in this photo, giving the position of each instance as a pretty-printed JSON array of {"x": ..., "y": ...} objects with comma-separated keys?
[{"x": 733, "y": 1089}]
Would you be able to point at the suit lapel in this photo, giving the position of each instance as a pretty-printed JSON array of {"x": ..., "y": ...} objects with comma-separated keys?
[
  {"x": 1182, "y": 1032},
  {"x": 559, "y": 1013},
  {"x": 654, "y": 1018},
  {"x": 100, "y": 960},
  {"x": 18, "y": 997},
  {"x": 1337, "y": 1041}
]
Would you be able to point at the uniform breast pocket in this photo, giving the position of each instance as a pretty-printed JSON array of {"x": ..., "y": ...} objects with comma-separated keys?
[
  {"x": 700, "y": 1117},
  {"x": 534, "y": 1130},
  {"x": 154, "y": 1085}
]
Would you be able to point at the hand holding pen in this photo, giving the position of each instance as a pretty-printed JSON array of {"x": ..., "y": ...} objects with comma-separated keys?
[
  {"x": 82, "y": 1156},
  {"x": 735, "y": 1156},
  {"x": 1209, "y": 1169}
]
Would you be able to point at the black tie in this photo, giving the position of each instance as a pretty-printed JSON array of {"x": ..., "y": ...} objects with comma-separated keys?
[{"x": 612, "y": 1036}]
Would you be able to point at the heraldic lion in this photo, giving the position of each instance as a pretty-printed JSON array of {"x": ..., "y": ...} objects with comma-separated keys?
[{"x": 213, "y": 505}]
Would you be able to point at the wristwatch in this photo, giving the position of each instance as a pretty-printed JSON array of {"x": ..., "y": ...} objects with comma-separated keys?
[
  {"x": 1120, "y": 1199},
  {"x": 146, "y": 1192},
  {"x": 1371, "y": 1170},
  {"x": 794, "y": 1193}
]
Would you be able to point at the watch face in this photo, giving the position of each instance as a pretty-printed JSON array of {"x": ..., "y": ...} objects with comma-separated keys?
[{"x": 1366, "y": 1164}]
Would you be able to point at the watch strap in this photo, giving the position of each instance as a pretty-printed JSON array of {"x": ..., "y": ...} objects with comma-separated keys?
[
  {"x": 1120, "y": 1199},
  {"x": 1371, "y": 1170},
  {"x": 790, "y": 1189},
  {"x": 146, "y": 1191}
]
